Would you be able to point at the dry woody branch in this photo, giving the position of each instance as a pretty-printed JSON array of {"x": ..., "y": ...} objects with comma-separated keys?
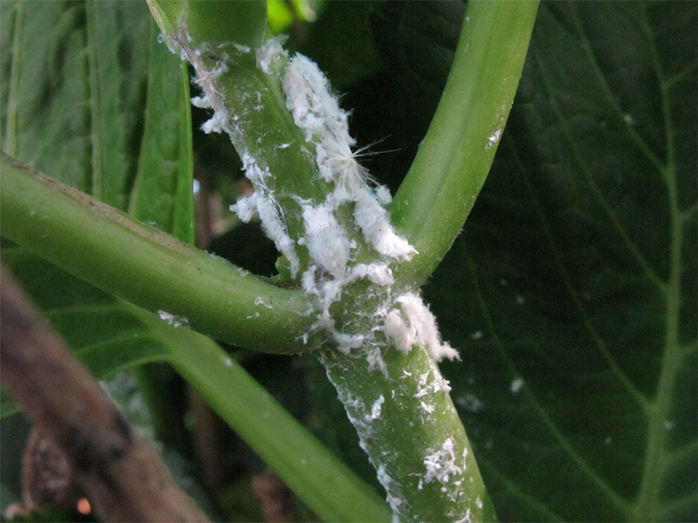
[{"x": 120, "y": 472}]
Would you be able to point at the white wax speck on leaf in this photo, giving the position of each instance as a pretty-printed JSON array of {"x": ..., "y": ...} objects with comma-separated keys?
[
  {"x": 493, "y": 138},
  {"x": 469, "y": 402},
  {"x": 516, "y": 385},
  {"x": 171, "y": 319}
]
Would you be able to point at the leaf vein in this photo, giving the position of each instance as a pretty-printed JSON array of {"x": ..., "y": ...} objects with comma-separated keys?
[
  {"x": 600, "y": 343},
  {"x": 11, "y": 124},
  {"x": 641, "y": 143},
  {"x": 96, "y": 177},
  {"x": 678, "y": 77},
  {"x": 655, "y": 463},
  {"x": 515, "y": 490},
  {"x": 649, "y": 272}
]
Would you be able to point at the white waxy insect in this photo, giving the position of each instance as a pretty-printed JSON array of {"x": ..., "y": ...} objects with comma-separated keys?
[{"x": 325, "y": 238}]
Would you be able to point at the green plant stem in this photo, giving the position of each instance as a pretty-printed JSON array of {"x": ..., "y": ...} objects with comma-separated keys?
[
  {"x": 217, "y": 21},
  {"x": 243, "y": 22},
  {"x": 405, "y": 418},
  {"x": 293, "y": 174},
  {"x": 257, "y": 120},
  {"x": 453, "y": 160},
  {"x": 260, "y": 126},
  {"x": 146, "y": 266},
  {"x": 248, "y": 101}
]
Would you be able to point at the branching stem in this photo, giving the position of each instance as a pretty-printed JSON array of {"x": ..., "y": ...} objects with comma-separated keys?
[{"x": 453, "y": 160}]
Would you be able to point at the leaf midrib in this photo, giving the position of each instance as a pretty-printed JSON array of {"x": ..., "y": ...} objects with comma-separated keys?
[
  {"x": 10, "y": 144},
  {"x": 655, "y": 466},
  {"x": 645, "y": 506},
  {"x": 96, "y": 177}
]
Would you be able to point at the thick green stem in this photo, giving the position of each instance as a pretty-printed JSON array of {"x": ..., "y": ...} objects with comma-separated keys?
[
  {"x": 412, "y": 433},
  {"x": 147, "y": 267},
  {"x": 453, "y": 160},
  {"x": 404, "y": 415},
  {"x": 218, "y": 21}
]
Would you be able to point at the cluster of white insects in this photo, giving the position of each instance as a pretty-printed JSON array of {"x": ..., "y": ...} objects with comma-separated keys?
[{"x": 406, "y": 320}]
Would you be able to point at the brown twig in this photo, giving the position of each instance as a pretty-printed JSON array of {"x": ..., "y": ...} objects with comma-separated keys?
[{"x": 121, "y": 473}]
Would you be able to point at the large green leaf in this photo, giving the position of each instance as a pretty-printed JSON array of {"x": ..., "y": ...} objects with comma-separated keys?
[
  {"x": 73, "y": 90},
  {"x": 572, "y": 291},
  {"x": 90, "y": 96},
  {"x": 418, "y": 41},
  {"x": 162, "y": 191},
  {"x": 562, "y": 278}
]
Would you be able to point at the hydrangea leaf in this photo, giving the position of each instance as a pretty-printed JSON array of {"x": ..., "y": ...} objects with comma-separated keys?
[{"x": 572, "y": 291}]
